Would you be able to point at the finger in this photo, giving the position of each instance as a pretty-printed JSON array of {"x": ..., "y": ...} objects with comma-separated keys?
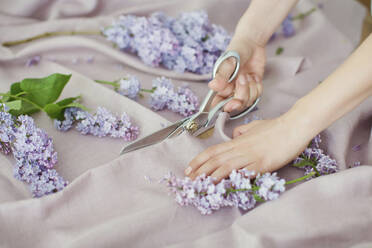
[
  {"x": 256, "y": 167},
  {"x": 241, "y": 93},
  {"x": 212, "y": 164},
  {"x": 206, "y": 155},
  {"x": 223, "y": 74},
  {"x": 233, "y": 164},
  {"x": 252, "y": 94},
  {"x": 216, "y": 100},
  {"x": 259, "y": 89},
  {"x": 228, "y": 91}
]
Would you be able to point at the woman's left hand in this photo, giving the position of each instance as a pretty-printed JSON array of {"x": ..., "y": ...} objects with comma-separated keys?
[{"x": 260, "y": 146}]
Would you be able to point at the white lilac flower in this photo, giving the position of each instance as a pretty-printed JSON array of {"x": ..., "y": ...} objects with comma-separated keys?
[
  {"x": 236, "y": 191},
  {"x": 34, "y": 153},
  {"x": 129, "y": 86},
  {"x": 270, "y": 186},
  {"x": 102, "y": 123},
  {"x": 186, "y": 43}
]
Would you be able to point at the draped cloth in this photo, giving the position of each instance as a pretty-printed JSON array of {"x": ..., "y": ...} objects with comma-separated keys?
[{"x": 114, "y": 201}]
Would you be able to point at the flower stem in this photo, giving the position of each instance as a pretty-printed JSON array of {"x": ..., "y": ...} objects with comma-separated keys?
[
  {"x": 301, "y": 178},
  {"x": 49, "y": 34},
  {"x": 301, "y": 16},
  {"x": 149, "y": 91},
  {"x": 107, "y": 82}
]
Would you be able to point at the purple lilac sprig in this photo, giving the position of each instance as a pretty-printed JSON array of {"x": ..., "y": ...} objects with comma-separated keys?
[
  {"x": 181, "y": 100},
  {"x": 102, "y": 123},
  {"x": 164, "y": 95},
  {"x": 239, "y": 190},
  {"x": 314, "y": 160},
  {"x": 33, "y": 151},
  {"x": 188, "y": 42}
]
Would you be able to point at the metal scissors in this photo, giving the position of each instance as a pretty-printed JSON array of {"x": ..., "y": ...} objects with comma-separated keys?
[{"x": 200, "y": 122}]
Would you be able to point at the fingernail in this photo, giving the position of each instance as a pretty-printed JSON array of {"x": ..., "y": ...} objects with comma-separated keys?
[
  {"x": 242, "y": 80},
  {"x": 257, "y": 79},
  {"x": 188, "y": 171}
]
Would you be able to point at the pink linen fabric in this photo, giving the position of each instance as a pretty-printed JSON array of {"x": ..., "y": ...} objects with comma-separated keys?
[{"x": 109, "y": 203}]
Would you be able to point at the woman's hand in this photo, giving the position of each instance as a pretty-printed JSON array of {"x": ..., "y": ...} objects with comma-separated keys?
[
  {"x": 260, "y": 146},
  {"x": 247, "y": 86}
]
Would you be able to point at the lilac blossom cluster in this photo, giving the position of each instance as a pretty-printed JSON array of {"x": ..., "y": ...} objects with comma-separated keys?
[
  {"x": 129, "y": 87},
  {"x": 181, "y": 100},
  {"x": 238, "y": 190},
  {"x": 33, "y": 151},
  {"x": 188, "y": 42},
  {"x": 313, "y": 159},
  {"x": 102, "y": 123}
]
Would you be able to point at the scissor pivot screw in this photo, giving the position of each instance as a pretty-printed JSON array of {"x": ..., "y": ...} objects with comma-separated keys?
[{"x": 192, "y": 126}]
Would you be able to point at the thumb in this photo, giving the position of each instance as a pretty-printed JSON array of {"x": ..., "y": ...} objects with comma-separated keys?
[{"x": 226, "y": 69}]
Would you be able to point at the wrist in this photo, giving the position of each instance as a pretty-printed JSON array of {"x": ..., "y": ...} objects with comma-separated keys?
[
  {"x": 243, "y": 45},
  {"x": 302, "y": 119}
]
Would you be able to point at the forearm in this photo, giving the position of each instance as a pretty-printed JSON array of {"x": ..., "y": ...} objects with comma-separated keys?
[
  {"x": 261, "y": 20},
  {"x": 341, "y": 92}
]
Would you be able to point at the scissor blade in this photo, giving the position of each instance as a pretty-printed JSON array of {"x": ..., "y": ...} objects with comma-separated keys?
[{"x": 152, "y": 138}]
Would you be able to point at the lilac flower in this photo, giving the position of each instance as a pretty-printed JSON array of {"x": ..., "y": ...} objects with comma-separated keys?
[
  {"x": 356, "y": 164},
  {"x": 288, "y": 27},
  {"x": 315, "y": 143},
  {"x": 186, "y": 43},
  {"x": 236, "y": 191},
  {"x": 356, "y": 148},
  {"x": 102, "y": 123},
  {"x": 33, "y": 144},
  {"x": 314, "y": 160},
  {"x": 42, "y": 180},
  {"x": 33, "y": 61},
  {"x": 34, "y": 154},
  {"x": 129, "y": 86},
  {"x": 184, "y": 101},
  {"x": 270, "y": 186},
  {"x": 90, "y": 59}
]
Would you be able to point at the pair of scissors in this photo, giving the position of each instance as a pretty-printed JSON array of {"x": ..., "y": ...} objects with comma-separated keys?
[{"x": 200, "y": 122}]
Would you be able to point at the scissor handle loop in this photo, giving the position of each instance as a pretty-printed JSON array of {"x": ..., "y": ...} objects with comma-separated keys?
[
  {"x": 222, "y": 58},
  {"x": 245, "y": 111}
]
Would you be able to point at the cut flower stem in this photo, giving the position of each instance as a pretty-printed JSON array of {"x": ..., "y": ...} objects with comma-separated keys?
[{"x": 50, "y": 34}]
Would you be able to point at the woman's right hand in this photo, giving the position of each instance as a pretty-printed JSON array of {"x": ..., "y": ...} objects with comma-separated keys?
[{"x": 247, "y": 86}]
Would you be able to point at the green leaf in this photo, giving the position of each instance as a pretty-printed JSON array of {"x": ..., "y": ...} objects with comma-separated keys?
[
  {"x": 15, "y": 88},
  {"x": 279, "y": 50},
  {"x": 16, "y": 105},
  {"x": 54, "y": 111},
  {"x": 302, "y": 163},
  {"x": 44, "y": 90},
  {"x": 26, "y": 109},
  {"x": 68, "y": 100},
  {"x": 76, "y": 105}
]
